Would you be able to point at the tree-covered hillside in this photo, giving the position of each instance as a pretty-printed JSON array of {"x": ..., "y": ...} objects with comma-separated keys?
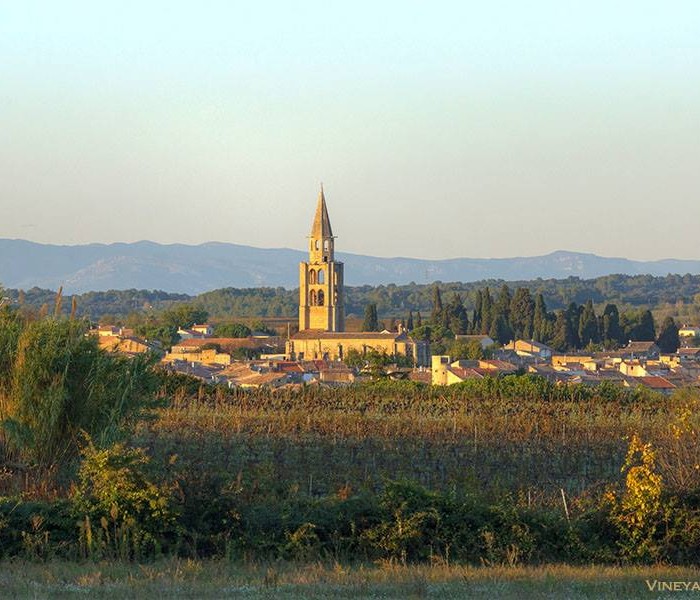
[{"x": 675, "y": 295}]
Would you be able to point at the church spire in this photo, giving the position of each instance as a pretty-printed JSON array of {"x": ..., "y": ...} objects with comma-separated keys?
[{"x": 322, "y": 224}]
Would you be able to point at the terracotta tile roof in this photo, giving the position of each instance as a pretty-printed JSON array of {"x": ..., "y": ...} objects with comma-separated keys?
[
  {"x": 656, "y": 382},
  {"x": 499, "y": 365},
  {"x": 465, "y": 373}
]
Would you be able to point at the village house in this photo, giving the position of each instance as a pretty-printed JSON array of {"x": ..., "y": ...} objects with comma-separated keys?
[
  {"x": 530, "y": 349},
  {"x": 445, "y": 371},
  {"x": 128, "y": 345},
  {"x": 689, "y": 331}
]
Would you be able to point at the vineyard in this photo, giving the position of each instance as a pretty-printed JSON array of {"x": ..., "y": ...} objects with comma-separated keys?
[
  {"x": 499, "y": 472},
  {"x": 321, "y": 440}
]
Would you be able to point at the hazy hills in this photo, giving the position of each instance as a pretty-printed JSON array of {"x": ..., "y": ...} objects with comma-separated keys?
[{"x": 195, "y": 269}]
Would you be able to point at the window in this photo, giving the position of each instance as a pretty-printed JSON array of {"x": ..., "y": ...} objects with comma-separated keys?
[
  {"x": 320, "y": 276},
  {"x": 312, "y": 298},
  {"x": 320, "y": 297},
  {"x": 312, "y": 276},
  {"x": 326, "y": 245},
  {"x": 318, "y": 244}
]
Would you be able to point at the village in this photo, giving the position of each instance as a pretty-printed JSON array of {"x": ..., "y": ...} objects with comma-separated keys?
[
  {"x": 319, "y": 352},
  {"x": 211, "y": 360}
]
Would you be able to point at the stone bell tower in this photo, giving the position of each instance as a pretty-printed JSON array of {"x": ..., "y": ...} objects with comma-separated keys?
[{"x": 321, "y": 278}]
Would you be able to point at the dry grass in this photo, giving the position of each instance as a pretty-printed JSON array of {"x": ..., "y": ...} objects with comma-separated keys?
[{"x": 215, "y": 579}]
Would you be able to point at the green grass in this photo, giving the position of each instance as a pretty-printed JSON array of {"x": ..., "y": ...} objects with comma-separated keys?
[{"x": 215, "y": 579}]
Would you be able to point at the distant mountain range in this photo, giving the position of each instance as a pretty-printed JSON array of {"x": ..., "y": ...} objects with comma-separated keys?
[{"x": 195, "y": 269}]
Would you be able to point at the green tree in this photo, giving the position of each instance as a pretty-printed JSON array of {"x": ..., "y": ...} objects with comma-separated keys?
[
  {"x": 502, "y": 306},
  {"x": 588, "y": 326},
  {"x": 477, "y": 314},
  {"x": 457, "y": 315},
  {"x": 469, "y": 350},
  {"x": 563, "y": 339},
  {"x": 232, "y": 330},
  {"x": 522, "y": 314},
  {"x": 612, "y": 334},
  {"x": 540, "y": 320},
  {"x": 668, "y": 340},
  {"x": 638, "y": 325},
  {"x": 183, "y": 315},
  {"x": 486, "y": 312},
  {"x": 647, "y": 330},
  {"x": 371, "y": 320},
  {"x": 409, "y": 321},
  {"x": 501, "y": 331},
  {"x": 573, "y": 316},
  {"x": 436, "y": 315}
]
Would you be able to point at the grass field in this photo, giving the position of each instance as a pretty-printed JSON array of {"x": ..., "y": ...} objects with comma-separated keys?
[{"x": 213, "y": 579}]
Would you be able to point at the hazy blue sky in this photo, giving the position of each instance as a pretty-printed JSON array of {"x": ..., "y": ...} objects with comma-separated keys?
[{"x": 439, "y": 129}]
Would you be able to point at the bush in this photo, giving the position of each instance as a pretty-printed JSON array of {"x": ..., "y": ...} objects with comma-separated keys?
[
  {"x": 60, "y": 383},
  {"x": 122, "y": 513}
]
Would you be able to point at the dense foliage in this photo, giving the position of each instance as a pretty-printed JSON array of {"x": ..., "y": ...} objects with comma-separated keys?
[
  {"x": 627, "y": 291},
  {"x": 396, "y": 472},
  {"x": 504, "y": 470},
  {"x": 56, "y": 385}
]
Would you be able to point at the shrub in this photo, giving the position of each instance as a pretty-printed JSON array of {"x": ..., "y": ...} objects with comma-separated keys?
[{"x": 122, "y": 513}]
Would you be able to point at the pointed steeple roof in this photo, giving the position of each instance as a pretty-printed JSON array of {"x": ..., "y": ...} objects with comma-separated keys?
[{"x": 322, "y": 224}]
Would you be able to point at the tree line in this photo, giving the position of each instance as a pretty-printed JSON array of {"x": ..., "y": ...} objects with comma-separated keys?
[
  {"x": 681, "y": 292},
  {"x": 507, "y": 315}
]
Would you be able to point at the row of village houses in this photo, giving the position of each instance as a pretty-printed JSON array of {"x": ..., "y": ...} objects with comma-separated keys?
[{"x": 211, "y": 359}]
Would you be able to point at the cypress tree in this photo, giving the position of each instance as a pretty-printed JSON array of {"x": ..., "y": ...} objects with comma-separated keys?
[
  {"x": 409, "y": 321},
  {"x": 573, "y": 316},
  {"x": 371, "y": 320},
  {"x": 457, "y": 319},
  {"x": 540, "y": 321},
  {"x": 563, "y": 339},
  {"x": 522, "y": 314},
  {"x": 486, "y": 311},
  {"x": 437, "y": 315},
  {"x": 503, "y": 303},
  {"x": 476, "y": 315},
  {"x": 501, "y": 331},
  {"x": 588, "y": 326},
  {"x": 646, "y": 331},
  {"x": 668, "y": 340},
  {"x": 611, "y": 332}
]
